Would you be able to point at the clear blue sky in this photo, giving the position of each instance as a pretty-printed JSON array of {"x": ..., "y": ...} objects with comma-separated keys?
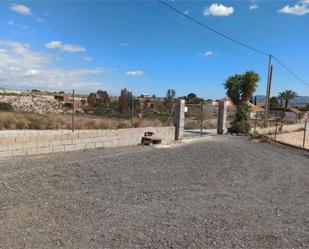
[{"x": 147, "y": 48}]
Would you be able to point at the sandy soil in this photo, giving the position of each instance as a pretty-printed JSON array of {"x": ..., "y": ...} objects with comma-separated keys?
[{"x": 294, "y": 138}]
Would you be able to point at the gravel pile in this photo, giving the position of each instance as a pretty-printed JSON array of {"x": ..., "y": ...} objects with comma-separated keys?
[
  {"x": 223, "y": 193},
  {"x": 37, "y": 104}
]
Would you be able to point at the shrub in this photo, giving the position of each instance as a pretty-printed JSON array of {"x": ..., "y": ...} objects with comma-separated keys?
[
  {"x": 6, "y": 107},
  {"x": 242, "y": 118}
]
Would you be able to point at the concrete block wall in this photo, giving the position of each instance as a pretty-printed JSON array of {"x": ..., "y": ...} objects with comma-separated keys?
[{"x": 32, "y": 142}]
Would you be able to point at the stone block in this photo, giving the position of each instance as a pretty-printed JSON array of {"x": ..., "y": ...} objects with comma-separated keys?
[
  {"x": 45, "y": 150},
  {"x": 7, "y": 140},
  {"x": 80, "y": 146},
  {"x": 58, "y": 148},
  {"x": 70, "y": 147},
  {"x": 22, "y": 139},
  {"x": 8, "y": 153},
  {"x": 33, "y": 151},
  {"x": 90, "y": 145},
  {"x": 19, "y": 152},
  {"x": 99, "y": 144}
]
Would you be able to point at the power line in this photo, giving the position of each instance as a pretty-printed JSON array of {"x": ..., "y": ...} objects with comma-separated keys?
[
  {"x": 233, "y": 40},
  {"x": 213, "y": 30},
  {"x": 288, "y": 70}
]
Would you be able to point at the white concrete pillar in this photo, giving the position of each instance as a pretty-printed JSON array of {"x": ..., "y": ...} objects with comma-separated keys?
[
  {"x": 179, "y": 118},
  {"x": 222, "y": 115}
]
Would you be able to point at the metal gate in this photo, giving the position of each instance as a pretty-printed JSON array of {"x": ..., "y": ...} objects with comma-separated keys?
[{"x": 201, "y": 119}]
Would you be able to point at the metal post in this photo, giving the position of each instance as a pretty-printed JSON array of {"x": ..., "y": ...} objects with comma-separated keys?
[
  {"x": 276, "y": 129},
  {"x": 201, "y": 119},
  {"x": 132, "y": 112},
  {"x": 304, "y": 141},
  {"x": 268, "y": 90},
  {"x": 255, "y": 124},
  {"x": 73, "y": 112}
]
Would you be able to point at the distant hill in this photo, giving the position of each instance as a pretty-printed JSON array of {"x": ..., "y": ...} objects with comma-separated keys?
[{"x": 300, "y": 100}]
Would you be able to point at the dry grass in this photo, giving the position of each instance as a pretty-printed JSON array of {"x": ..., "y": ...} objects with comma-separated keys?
[{"x": 18, "y": 120}]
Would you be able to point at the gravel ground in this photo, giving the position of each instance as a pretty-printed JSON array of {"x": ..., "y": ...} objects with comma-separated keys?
[{"x": 221, "y": 192}]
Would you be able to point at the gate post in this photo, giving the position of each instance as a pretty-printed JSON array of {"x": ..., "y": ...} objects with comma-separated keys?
[
  {"x": 179, "y": 118},
  {"x": 222, "y": 113}
]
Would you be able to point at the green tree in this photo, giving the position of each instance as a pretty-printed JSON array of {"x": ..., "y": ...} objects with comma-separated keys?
[
  {"x": 287, "y": 95},
  {"x": 170, "y": 94},
  {"x": 124, "y": 101},
  {"x": 103, "y": 99},
  {"x": 191, "y": 98},
  {"x": 239, "y": 88},
  {"x": 273, "y": 102},
  {"x": 169, "y": 99},
  {"x": 92, "y": 100}
]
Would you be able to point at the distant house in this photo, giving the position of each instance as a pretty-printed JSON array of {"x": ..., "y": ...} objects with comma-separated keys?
[
  {"x": 62, "y": 97},
  {"x": 256, "y": 111},
  {"x": 145, "y": 95},
  {"x": 292, "y": 115},
  {"x": 77, "y": 105}
]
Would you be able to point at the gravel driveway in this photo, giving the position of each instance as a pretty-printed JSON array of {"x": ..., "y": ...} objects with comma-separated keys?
[{"x": 221, "y": 192}]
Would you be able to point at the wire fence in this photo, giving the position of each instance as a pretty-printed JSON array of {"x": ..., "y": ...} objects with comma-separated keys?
[
  {"x": 39, "y": 111},
  {"x": 284, "y": 131},
  {"x": 136, "y": 112}
]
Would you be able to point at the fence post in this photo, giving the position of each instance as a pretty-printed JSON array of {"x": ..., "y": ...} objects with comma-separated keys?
[
  {"x": 255, "y": 124},
  {"x": 276, "y": 129},
  {"x": 201, "y": 118},
  {"x": 73, "y": 112},
  {"x": 222, "y": 114},
  {"x": 179, "y": 118},
  {"x": 132, "y": 112},
  {"x": 304, "y": 141}
]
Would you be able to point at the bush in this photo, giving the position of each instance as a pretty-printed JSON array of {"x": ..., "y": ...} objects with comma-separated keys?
[
  {"x": 242, "y": 118},
  {"x": 6, "y": 107}
]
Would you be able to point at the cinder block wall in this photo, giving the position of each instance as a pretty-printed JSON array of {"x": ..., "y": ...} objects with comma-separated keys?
[{"x": 31, "y": 142}]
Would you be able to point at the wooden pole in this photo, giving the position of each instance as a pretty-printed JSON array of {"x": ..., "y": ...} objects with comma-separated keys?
[
  {"x": 304, "y": 140},
  {"x": 268, "y": 91},
  {"x": 132, "y": 112},
  {"x": 73, "y": 112},
  {"x": 201, "y": 118}
]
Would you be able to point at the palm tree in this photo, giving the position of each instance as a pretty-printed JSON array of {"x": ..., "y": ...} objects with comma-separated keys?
[
  {"x": 239, "y": 88},
  {"x": 287, "y": 95}
]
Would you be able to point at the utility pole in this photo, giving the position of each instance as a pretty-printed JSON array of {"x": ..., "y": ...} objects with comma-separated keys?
[
  {"x": 270, "y": 69},
  {"x": 73, "y": 112}
]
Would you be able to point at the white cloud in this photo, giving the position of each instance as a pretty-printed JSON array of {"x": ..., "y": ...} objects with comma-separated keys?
[
  {"x": 124, "y": 44},
  {"x": 10, "y": 23},
  {"x": 218, "y": 10},
  {"x": 39, "y": 19},
  {"x": 135, "y": 73},
  {"x": 208, "y": 53},
  {"x": 64, "y": 47},
  {"x": 299, "y": 9},
  {"x": 186, "y": 12},
  {"x": 87, "y": 58},
  {"x": 21, "y": 9},
  {"x": 253, "y": 6},
  {"x": 21, "y": 67}
]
